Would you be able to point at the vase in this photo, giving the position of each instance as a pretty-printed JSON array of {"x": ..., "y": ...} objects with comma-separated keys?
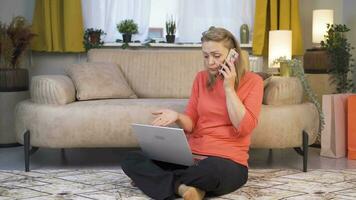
[
  {"x": 13, "y": 89},
  {"x": 126, "y": 38},
  {"x": 94, "y": 38},
  {"x": 170, "y": 38},
  {"x": 8, "y": 103},
  {"x": 285, "y": 69},
  {"x": 12, "y": 80},
  {"x": 244, "y": 34}
]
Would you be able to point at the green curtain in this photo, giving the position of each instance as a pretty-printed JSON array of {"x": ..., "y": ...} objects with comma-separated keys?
[
  {"x": 58, "y": 25},
  {"x": 276, "y": 15}
]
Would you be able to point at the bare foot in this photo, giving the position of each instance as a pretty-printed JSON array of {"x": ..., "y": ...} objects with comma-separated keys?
[
  {"x": 191, "y": 193},
  {"x": 133, "y": 184}
]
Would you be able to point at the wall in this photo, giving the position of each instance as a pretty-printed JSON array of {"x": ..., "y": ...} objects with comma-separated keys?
[
  {"x": 344, "y": 13},
  {"x": 53, "y": 63},
  {"x": 306, "y": 13},
  {"x": 349, "y": 18},
  {"x": 11, "y": 8},
  {"x": 38, "y": 63}
]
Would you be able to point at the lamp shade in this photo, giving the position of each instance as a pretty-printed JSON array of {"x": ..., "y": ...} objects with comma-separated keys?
[
  {"x": 280, "y": 44},
  {"x": 320, "y": 19}
]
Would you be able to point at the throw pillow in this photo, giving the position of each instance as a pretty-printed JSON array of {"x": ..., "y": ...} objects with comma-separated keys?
[
  {"x": 99, "y": 81},
  {"x": 263, "y": 75},
  {"x": 266, "y": 77},
  {"x": 283, "y": 91}
]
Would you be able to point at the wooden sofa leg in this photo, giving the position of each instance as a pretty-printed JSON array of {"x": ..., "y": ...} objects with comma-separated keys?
[
  {"x": 304, "y": 152},
  {"x": 28, "y": 150}
]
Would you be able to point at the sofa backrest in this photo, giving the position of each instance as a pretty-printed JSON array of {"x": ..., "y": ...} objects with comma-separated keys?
[{"x": 156, "y": 73}]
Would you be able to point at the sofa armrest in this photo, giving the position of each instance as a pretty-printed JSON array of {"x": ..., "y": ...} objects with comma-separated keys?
[
  {"x": 52, "y": 89},
  {"x": 282, "y": 91},
  {"x": 282, "y": 126}
]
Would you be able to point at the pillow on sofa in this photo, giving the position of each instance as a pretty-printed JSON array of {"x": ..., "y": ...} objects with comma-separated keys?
[
  {"x": 283, "y": 91},
  {"x": 265, "y": 77},
  {"x": 99, "y": 81}
]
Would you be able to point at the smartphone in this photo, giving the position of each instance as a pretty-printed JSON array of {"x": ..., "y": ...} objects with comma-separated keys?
[{"x": 232, "y": 56}]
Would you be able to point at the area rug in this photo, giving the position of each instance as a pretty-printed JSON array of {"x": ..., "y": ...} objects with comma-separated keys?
[{"x": 114, "y": 184}]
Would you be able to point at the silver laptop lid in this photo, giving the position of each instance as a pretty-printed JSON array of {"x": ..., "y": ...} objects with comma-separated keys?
[{"x": 164, "y": 143}]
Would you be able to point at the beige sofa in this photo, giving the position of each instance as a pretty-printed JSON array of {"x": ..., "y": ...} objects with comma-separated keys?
[{"x": 54, "y": 118}]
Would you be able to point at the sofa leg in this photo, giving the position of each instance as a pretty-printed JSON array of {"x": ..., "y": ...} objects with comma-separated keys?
[
  {"x": 63, "y": 156},
  {"x": 305, "y": 151},
  {"x": 28, "y": 150},
  {"x": 270, "y": 156},
  {"x": 26, "y": 139}
]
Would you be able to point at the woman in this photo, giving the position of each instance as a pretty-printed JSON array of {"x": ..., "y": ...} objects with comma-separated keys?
[{"x": 221, "y": 113}]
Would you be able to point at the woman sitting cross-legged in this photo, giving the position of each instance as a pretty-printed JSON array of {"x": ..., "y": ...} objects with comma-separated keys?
[{"x": 222, "y": 111}]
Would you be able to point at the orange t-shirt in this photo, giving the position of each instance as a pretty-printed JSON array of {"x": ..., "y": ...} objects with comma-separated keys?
[{"x": 213, "y": 133}]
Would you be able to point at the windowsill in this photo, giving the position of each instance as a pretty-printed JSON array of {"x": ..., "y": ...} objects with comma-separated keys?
[{"x": 166, "y": 45}]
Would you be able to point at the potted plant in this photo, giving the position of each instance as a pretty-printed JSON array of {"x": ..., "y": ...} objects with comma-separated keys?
[
  {"x": 92, "y": 38},
  {"x": 171, "y": 30},
  {"x": 339, "y": 50},
  {"x": 127, "y": 27},
  {"x": 14, "y": 41}
]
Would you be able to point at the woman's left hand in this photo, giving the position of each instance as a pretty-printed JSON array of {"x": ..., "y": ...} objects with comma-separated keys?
[
  {"x": 229, "y": 73},
  {"x": 164, "y": 117}
]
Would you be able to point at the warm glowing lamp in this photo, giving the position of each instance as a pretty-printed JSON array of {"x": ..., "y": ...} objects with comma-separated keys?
[
  {"x": 280, "y": 45},
  {"x": 320, "y": 19},
  {"x": 316, "y": 59}
]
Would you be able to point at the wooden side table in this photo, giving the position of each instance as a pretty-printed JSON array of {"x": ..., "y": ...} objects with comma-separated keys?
[
  {"x": 320, "y": 84},
  {"x": 8, "y": 102}
]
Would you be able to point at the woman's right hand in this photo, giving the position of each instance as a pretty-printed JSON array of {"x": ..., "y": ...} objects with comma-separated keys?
[{"x": 164, "y": 117}]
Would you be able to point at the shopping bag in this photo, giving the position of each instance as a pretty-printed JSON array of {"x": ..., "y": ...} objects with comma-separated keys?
[
  {"x": 333, "y": 136},
  {"x": 351, "y": 127}
]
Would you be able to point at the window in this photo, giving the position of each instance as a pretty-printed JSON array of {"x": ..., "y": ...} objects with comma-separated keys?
[
  {"x": 162, "y": 10},
  {"x": 192, "y": 16}
]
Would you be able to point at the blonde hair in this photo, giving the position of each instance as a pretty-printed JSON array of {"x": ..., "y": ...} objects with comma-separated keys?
[{"x": 229, "y": 41}]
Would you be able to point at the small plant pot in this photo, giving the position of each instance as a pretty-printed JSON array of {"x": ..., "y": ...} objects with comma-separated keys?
[
  {"x": 12, "y": 80},
  {"x": 126, "y": 38},
  {"x": 94, "y": 38},
  {"x": 170, "y": 38},
  {"x": 285, "y": 70}
]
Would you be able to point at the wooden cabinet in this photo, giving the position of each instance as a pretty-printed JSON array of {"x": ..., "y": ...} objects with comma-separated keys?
[{"x": 320, "y": 84}]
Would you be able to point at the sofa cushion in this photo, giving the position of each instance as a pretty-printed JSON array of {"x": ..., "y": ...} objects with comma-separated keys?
[
  {"x": 99, "y": 81},
  {"x": 52, "y": 89},
  {"x": 160, "y": 73},
  {"x": 264, "y": 75},
  {"x": 155, "y": 74},
  {"x": 282, "y": 91}
]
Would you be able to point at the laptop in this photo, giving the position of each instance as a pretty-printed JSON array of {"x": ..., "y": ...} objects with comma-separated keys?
[{"x": 164, "y": 143}]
